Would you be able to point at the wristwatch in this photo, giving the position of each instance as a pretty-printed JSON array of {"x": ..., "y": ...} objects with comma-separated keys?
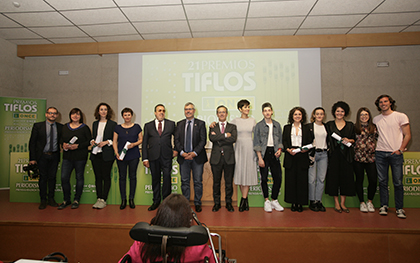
[{"x": 400, "y": 151}]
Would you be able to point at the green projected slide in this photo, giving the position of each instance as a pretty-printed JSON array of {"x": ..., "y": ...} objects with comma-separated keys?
[{"x": 212, "y": 79}]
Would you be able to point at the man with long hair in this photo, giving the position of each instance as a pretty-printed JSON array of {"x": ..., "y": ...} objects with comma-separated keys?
[{"x": 394, "y": 135}]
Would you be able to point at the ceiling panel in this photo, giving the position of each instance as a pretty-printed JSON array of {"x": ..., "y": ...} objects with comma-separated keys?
[
  {"x": 368, "y": 30},
  {"x": 39, "y": 19},
  {"x": 74, "y": 21},
  {"x": 154, "y": 13},
  {"x": 95, "y": 16},
  {"x": 274, "y": 23},
  {"x": 72, "y": 40},
  {"x": 390, "y": 19},
  {"x": 323, "y": 31},
  {"x": 24, "y": 6},
  {"x": 79, "y": 4},
  {"x": 124, "y": 3},
  {"x": 109, "y": 30},
  {"x": 218, "y": 25},
  {"x": 334, "y": 7},
  {"x": 162, "y": 27},
  {"x": 7, "y": 22},
  {"x": 17, "y": 33},
  {"x": 331, "y": 21},
  {"x": 56, "y": 32},
  {"x": 167, "y": 36},
  {"x": 118, "y": 38},
  {"x": 211, "y": 11},
  {"x": 280, "y": 8},
  {"x": 394, "y": 6}
]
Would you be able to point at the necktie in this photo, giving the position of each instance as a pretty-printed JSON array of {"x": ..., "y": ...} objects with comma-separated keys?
[
  {"x": 51, "y": 138},
  {"x": 223, "y": 127},
  {"x": 188, "y": 146},
  {"x": 160, "y": 128}
]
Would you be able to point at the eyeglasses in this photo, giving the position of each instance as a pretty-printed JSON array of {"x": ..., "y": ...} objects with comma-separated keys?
[{"x": 52, "y": 113}]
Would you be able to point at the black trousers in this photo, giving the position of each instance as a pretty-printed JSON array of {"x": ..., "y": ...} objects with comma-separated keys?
[
  {"x": 102, "y": 170},
  {"x": 217, "y": 170},
  {"x": 161, "y": 168},
  {"x": 48, "y": 165},
  {"x": 272, "y": 163},
  {"x": 359, "y": 171}
]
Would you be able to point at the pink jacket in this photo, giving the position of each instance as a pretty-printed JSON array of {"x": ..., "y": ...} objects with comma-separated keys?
[{"x": 192, "y": 254}]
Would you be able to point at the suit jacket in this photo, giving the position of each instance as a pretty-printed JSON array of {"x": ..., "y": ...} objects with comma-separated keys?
[
  {"x": 302, "y": 158},
  {"x": 38, "y": 140},
  {"x": 199, "y": 140},
  {"x": 155, "y": 146},
  {"x": 107, "y": 150},
  {"x": 220, "y": 142}
]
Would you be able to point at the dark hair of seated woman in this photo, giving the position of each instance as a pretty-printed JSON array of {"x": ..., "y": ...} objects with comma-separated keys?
[{"x": 175, "y": 211}]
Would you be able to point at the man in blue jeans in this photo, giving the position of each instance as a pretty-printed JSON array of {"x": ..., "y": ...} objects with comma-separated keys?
[{"x": 394, "y": 134}]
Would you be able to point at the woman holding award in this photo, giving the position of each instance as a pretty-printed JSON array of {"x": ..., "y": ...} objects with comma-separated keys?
[
  {"x": 75, "y": 140},
  {"x": 127, "y": 138},
  {"x": 340, "y": 177},
  {"x": 102, "y": 156},
  {"x": 297, "y": 140}
]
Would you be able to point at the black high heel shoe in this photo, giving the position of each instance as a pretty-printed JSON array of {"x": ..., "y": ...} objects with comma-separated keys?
[
  {"x": 131, "y": 203},
  {"x": 246, "y": 204},
  {"x": 123, "y": 204}
]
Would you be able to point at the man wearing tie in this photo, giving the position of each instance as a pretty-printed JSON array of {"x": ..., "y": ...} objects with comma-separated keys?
[
  {"x": 44, "y": 150},
  {"x": 158, "y": 153},
  {"x": 223, "y": 136},
  {"x": 190, "y": 139}
]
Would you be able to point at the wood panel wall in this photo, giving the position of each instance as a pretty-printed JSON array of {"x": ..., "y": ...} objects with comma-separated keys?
[{"x": 221, "y": 43}]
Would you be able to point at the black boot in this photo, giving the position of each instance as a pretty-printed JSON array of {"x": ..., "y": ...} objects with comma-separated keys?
[
  {"x": 241, "y": 205},
  {"x": 131, "y": 203},
  {"x": 246, "y": 204},
  {"x": 123, "y": 204}
]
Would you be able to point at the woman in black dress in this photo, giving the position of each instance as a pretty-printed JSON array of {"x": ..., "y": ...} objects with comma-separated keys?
[{"x": 340, "y": 177}]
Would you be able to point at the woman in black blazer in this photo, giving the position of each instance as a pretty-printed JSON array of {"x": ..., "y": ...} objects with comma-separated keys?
[
  {"x": 296, "y": 162},
  {"x": 102, "y": 156}
]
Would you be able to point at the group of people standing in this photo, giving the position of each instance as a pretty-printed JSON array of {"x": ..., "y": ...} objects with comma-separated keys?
[{"x": 334, "y": 152}]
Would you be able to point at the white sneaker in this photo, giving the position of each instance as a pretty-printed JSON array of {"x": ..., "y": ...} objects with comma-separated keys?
[
  {"x": 401, "y": 214},
  {"x": 383, "y": 211},
  {"x": 363, "y": 207},
  {"x": 102, "y": 204},
  {"x": 275, "y": 205},
  {"x": 267, "y": 206},
  {"x": 95, "y": 206},
  {"x": 370, "y": 207}
]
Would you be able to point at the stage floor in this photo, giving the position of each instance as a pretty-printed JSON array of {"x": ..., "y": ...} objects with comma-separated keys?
[{"x": 255, "y": 217}]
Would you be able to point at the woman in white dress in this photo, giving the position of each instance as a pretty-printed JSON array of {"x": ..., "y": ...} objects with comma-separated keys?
[{"x": 245, "y": 158}]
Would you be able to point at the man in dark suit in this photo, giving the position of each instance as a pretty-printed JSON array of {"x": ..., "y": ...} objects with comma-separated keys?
[
  {"x": 190, "y": 139},
  {"x": 158, "y": 153},
  {"x": 44, "y": 150},
  {"x": 223, "y": 136}
]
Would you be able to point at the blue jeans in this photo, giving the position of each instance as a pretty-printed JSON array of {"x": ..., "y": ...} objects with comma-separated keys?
[
  {"x": 132, "y": 174},
  {"x": 197, "y": 170},
  {"x": 316, "y": 176},
  {"x": 67, "y": 167},
  {"x": 383, "y": 161}
]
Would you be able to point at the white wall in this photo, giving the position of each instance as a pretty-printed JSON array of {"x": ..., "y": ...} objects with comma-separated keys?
[{"x": 11, "y": 71}]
